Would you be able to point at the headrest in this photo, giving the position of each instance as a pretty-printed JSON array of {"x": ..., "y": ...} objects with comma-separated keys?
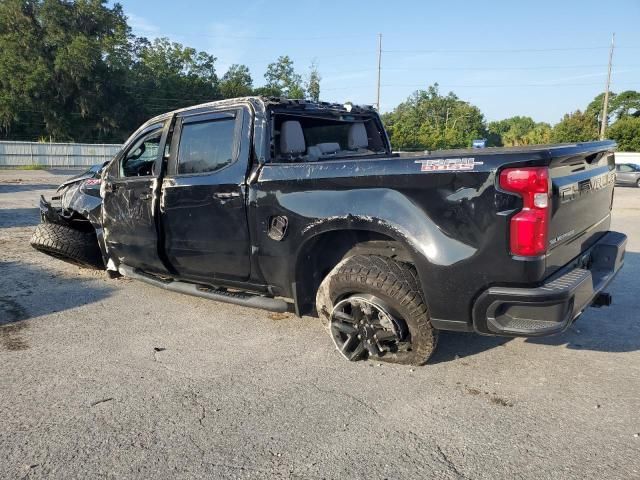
[
  {"x": 329, "y": 147},
  {"x": 291, "y": 138},
  {"x": 313, "y": 154},
  {"x": 358, "y": 136}
]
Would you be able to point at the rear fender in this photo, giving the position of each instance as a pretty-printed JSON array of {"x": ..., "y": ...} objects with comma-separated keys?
[{"x": 384, "y": 212}]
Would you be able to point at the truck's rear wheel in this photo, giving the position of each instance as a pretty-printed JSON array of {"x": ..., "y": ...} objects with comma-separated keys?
[
  {"x": 67, "y": 244},
  {"x": 373, "y": 308}
]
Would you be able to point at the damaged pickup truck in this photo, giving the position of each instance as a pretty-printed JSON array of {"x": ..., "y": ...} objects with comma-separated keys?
[{"x": 292, "y": 205}]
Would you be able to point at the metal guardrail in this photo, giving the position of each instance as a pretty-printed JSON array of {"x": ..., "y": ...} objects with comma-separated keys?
[{"x": 20, "y": 154}]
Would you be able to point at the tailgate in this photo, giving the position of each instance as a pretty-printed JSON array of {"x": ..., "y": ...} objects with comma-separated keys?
[{"x": 582, "y": 197}]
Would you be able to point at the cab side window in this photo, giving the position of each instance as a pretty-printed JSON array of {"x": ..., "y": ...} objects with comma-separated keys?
[
  {"x": 206, "y": 146},
  {"x": 625, "y": 168},
  {"x": 139, "y": 159}
]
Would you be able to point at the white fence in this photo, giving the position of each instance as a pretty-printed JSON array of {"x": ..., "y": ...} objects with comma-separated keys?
[
  {"x": 628, "y": 157},
  {"x": 19, "y": 154}
]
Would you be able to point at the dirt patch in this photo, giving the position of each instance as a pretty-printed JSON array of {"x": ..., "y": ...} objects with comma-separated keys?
[
  {"x": 11, "y": 332},
  {"x": 501, "y": 402},
  {"x": 278, "y": 315},
  {"x": 493, "y": 398}
]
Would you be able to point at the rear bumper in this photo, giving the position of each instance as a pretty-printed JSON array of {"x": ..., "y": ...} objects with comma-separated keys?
[{"x": 553, "y": 306}]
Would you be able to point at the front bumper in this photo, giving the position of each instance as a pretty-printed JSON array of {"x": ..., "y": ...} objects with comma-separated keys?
[
  {"x": 48, "y": 213},
  {"x": 553, "y": 306}
]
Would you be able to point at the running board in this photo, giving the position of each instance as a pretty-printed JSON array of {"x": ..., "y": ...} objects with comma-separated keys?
[{"x": 244, "y": 299}]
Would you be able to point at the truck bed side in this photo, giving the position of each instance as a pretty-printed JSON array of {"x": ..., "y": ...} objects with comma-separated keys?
[{"x": 444, "y": 208}]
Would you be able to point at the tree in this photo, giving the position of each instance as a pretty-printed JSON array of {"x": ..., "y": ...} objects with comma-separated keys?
[
  {"x": 429, "y": 120},
  {"x": 510, "y": 131},
  {"x": 283, "y": 80},
  {"x": 594, "y": 109},
  {"x": 621, "y": 105},
  {"x": 626, "y": 104},
  {"x": 167, "y": 75},
  {"x": 575, "y": 127},
  {"x": 313, "y": 82},
  {"x": 237, "y": 82},
  {"x": 540, "y": 135},
  {"x": 68, "y": 63},
  {"x": 23, "y": 68},
  {"x": 516, "y": 131},
  {"x": 626, "y": 131}
]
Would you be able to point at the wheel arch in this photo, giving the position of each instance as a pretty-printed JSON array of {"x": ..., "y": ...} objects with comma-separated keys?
[{"x": 321, "y": 252}]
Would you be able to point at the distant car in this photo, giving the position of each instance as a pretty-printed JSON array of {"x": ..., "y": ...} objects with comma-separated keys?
[{"x": 628, "y": 174}]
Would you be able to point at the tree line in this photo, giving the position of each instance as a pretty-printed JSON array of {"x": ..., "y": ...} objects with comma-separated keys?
[
  {"x": 73, "y": 71},
  {"x": 429, "y": 120}
]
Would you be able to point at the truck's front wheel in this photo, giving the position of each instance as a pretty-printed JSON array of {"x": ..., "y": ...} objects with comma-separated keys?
[
  {"x": 67, "y": 243},
  {"x": 373, "y": 308}
]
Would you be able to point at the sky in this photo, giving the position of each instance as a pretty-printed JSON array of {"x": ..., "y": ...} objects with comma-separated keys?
[{"x": 541, "y": 59}]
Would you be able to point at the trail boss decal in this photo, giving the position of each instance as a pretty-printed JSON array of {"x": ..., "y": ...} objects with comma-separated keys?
[{"x": 448, "y": 164}]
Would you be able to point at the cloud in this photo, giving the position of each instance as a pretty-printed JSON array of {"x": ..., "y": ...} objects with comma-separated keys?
[{"x": 142, "y": 26}]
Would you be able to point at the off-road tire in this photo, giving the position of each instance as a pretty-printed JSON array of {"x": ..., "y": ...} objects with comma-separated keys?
[
  {"x": 66, "y": 243},
  {"x": 394, "y": 282}
]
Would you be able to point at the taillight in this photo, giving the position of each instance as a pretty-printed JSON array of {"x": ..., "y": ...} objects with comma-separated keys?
[{"x": 529, "y": 228}]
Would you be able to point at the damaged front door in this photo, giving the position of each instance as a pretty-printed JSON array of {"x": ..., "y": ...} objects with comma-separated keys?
[{"x": 129, "y": 203}]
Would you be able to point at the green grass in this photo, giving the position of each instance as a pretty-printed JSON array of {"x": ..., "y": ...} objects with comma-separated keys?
[{"x": 31, "y": 167}]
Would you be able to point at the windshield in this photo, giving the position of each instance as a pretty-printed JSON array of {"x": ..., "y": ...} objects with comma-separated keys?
[{"x": 307, "y": 138}]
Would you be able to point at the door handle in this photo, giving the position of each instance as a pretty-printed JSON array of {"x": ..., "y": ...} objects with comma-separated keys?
[
  {"x": 226, "y": 195},
  {"x": 144, "y": 196}
]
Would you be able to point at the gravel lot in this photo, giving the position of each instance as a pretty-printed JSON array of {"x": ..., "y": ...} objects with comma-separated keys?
[{"x": 117, "y": 379}]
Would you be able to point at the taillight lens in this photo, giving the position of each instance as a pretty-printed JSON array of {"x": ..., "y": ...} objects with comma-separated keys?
[{"x": 529, "y": 228}]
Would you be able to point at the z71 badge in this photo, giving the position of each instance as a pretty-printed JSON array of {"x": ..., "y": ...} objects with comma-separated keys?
[{"x": 448, "y": 164}]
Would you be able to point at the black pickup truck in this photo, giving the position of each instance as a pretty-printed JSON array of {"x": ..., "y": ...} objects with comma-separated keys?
[{"x": 292, "y": 205}]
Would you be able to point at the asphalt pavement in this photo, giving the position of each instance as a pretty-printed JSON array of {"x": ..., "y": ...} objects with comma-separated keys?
[{"x": 106, "y": 378}]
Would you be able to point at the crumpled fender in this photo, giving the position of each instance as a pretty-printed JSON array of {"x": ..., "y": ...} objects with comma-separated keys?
[{"x": 86, "y": 201}]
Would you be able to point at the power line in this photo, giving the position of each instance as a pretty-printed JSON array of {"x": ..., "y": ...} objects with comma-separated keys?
[
  {"x": 514, "y": 85},
  {"x": 488, "y": 68},
  {"x": 502, "y": 50}
]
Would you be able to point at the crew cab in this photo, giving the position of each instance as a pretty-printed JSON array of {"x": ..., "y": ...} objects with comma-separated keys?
[{"x": 294, "y": 205}]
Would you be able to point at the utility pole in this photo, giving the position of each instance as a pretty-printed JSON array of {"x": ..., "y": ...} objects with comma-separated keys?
[
  {"x": 605, "y": 104},
  {"x": 379, "y": 67}
]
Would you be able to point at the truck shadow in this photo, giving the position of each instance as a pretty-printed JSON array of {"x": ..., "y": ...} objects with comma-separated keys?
[
  {"x": 610, "y": 329},
  {"x": 19, "y": 217},
  {"x": 456, "y": 345},
  {"x": 28, "y": 292},
  {"x": 26, "y": 187}
]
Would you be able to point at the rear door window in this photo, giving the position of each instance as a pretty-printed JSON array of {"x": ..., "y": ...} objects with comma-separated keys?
[{"x": 207, "y": 146}]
